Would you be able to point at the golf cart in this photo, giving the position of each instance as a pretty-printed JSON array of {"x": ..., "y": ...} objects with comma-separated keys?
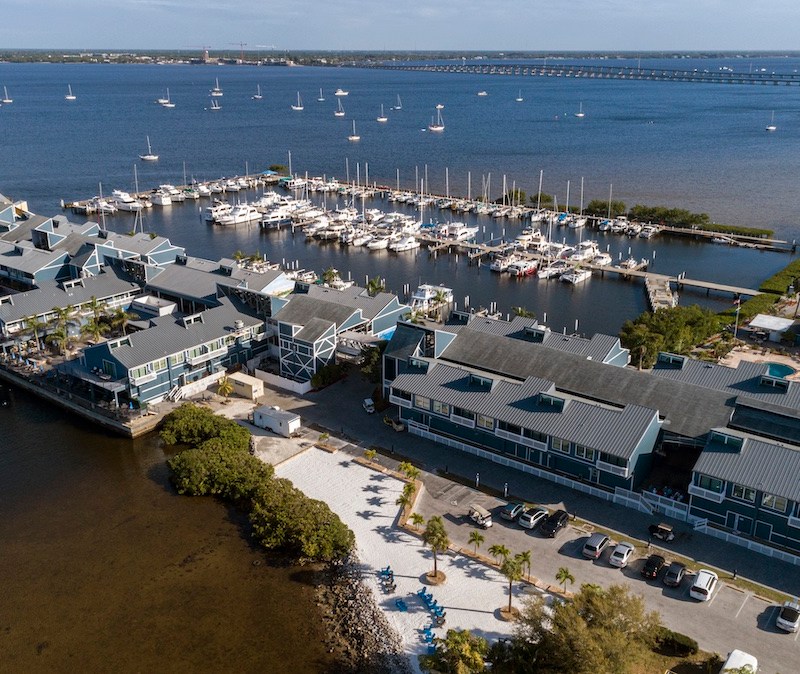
[{"x": 662, "y": 531}]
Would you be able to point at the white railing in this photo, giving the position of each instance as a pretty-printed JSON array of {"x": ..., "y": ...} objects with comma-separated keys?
[
  {"x": 632, "y": 499},
  {"x": 143, "y": 379},
  {"x": 794, "y": 521},
  {"x": 462, "y": 421},
  {"x": 402, "y": 402},
  {"x": 208, "y": 355},
  {"x": 716, "y": 497},
  {"x": 760, "y": 548},
  {"x": 521, "y": 439},
  {"x": 622, "y": 471}
]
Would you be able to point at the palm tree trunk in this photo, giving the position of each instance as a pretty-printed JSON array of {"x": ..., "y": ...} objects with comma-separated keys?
[
  {"x": 510, "y": 583},
  {"x": 435, "y": 569}
]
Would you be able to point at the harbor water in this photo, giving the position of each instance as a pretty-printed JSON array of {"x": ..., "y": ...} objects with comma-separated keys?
[{"x": 104, "y": 566}]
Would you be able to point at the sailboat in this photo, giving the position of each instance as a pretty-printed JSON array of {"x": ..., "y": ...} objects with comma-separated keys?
[
  {"x": 257, "y": 96},
  {"x": 321, "y": 98},
  {"x": 215, "y": 105},
  {"x": 299, "y": 105},
  {"x": 383, "y": 117},
  {"x": 339, "y": 112},
  {"x": 70, "y": 96},
  {"x": 354, "y": 136},
  {"x": 6, "y": 98},
  {"x": 770, "y": 127},
  {"x": 166, "y": 102},
  {"x": 399, "y": 104},
  {"x": 580, "y": 112},
  {"x": 519, "y": 98},
  {"x": 216, "y": 91},
  {"x": 439, "y": 125},
  {"x": 163, "y": 99},
  {"x": 149, "y": 156}
]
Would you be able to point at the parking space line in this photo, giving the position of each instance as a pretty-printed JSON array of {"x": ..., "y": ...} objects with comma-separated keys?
[{"x": 747, "y": 596}]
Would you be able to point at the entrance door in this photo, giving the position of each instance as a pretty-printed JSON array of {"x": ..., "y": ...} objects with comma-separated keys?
[{"x": 740, "y": 523}]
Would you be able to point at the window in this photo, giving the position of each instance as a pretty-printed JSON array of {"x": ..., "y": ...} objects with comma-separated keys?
[
  {"x": 709, "y": 483},
  {"x": 534, "y": 435},
  {"x": 480, "y": 382},
  {"x": 464, "y": 414},
  {"x": 509, "y": 428},
  {"x": 422, "y": 402},
  {"x": 176, "y": 359},
  {"x": 139, "y": 372},
  {"x": 560, "y": 445},
  {"x": 485, "y": 422},
  {"x": 551, "y": 401},
  {"x": 586, "y": 453},
  {"x": 744, "y": 493},
  {"x": 773, "y": 502},
  {"x": 160, "y": 364},
  {"x": 441, "y": 408},
  {"x": 613, "y": 460}
]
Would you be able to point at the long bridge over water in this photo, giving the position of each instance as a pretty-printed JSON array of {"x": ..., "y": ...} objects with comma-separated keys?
[{"x": 610, "y": 72}]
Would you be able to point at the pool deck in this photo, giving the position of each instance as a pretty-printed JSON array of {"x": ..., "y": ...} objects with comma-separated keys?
[{"x": 757, "y": 354}]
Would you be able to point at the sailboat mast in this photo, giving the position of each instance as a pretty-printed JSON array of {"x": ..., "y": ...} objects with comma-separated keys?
[{"x": 539, "y": 193}]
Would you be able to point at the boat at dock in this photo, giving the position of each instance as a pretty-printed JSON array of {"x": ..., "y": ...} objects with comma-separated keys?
[
  {"x": 554, "y": 269},
  {"x": 522, "y": 268},
  {"x": 403, "y": 244},
  {"x": 427, "y": 297},
  {"x": 239, "y": 215},
  {"x": 502, "y": 262},
  {"x": 576, "y": 276}
]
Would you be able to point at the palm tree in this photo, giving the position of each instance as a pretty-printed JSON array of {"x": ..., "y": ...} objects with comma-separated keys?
[
  {"x": 58, "y": 338},
  {"x": 239, "y": 255},
  {"x": 97, "y": 307},
  {"x": 439, "y": 301},
  {"x": 225, "y": 387},
  {"x": 435, "y": 536},
  {"x": 375, "y": 285},
  {"x": 404, "y": 500},
  {"x": 409, "y": 470},
  {"x": 416, "y": 316},
  {"x": 497, "y": 551},
  {"x": 63, "y": 316},
  {"x": 564, "y": 576},
  {"x": 416, "y": 520},
  {"x": 120, "y": 318},
  {"x": 329, "y": 275},
  {"x": 34, "y": 324},
  {"x": 476, "y": 538},
  {"x": 525, "y": 561},
  {"x": 94, "y": 328},
  {"x": 409, "y": 488},
  {"x": 369, "y": 454},
  {"x": 511, "y": 569}
]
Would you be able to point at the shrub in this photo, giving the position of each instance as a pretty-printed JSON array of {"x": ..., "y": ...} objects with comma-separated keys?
[{"x": 675, "y": 643}]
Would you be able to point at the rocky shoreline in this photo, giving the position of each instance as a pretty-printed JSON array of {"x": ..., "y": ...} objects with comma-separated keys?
[{"x": 359, "y": 635}]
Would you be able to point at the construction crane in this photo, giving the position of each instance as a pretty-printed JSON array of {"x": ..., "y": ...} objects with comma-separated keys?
[{"x": 242, "y": 45}]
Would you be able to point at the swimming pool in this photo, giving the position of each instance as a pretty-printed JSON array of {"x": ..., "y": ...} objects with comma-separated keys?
[{"x": 780, "y": 370}]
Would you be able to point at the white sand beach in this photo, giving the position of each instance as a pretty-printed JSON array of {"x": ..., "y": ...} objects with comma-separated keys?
[{"x": 365, "y": 500}]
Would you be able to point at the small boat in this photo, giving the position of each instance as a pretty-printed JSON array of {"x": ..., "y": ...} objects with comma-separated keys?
[
  {"x": 215, "y": 105},
  {"x": 576, "y": 276},
  {"x": 522, "y": 268},
  {"x": 149, "y": 156},
  {"x": 519, "y": 98},
  {"x": 770, "y": 127},
  {"x": 555, "y": 268},
  {"x": 163, "y": 99},
  {"x": 166, "y": 102},
  {"x": 482, "y": 93},
  {"x": 341, "y": 92},
  {"x": 382, "y": 117},
  {"x": 70, "y": 96},
  {"x": 257, "y": 96},
  {"x": 602, "y": 260},
  {"x": 6, "y": 98},
  {"x": 299, "y": 105},
  {"x": 339, "y": 112},
  {"x": 320, "y": 98},
  {"x": 216, "y": 91},
  {"x": 161, "y": 198},
  {"x": 439, "y": 124},
  {"x": 405, "y": 243},
  {"x": 354, "y": 136},
  {"x": 580, "y": 112},
  {"x": 399, "y": 104},
  {"x": 502, "y": 262}
]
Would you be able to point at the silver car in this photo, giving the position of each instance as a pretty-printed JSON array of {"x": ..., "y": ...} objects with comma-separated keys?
[{"x": 531, "y": 519}]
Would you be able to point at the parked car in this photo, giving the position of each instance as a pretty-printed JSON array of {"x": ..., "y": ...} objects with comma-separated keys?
[
  {"x": 662, "y": 532},
  {"x": 369, "y": 405},
  {"x": 674, "y": 574},
  {"x": 479, "y": 515},
  {"x": 788, "y": 617},
  {"x": 595, "y": 545},
  {"x": 739, "y": 661},
  {"x": 554, "y": 523},
  {"x": 621, "y": 554},
  {"x": 704, "y": 584},
  {"x": 512, "y": 510},
  {"x": 653, "y": 566},
  {"x": 532, "y": 518}
]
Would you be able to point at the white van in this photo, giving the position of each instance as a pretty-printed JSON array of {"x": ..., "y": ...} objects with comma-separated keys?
[
  {"x": 738, "y": 660},
  {"x": 368, "y": 405}
]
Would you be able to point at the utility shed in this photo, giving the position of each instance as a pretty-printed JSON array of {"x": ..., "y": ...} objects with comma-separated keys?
[
  {"x": 277, "y": 420},
  {"x": 774, "y": 326},
  {"x": 246, "y": 386}
]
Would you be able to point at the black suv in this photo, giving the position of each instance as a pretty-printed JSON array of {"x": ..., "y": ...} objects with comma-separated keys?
[{"x": 554, "y": 522}]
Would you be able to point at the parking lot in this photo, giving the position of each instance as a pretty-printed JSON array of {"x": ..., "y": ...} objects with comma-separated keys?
[{"x": 732, "y": 618}]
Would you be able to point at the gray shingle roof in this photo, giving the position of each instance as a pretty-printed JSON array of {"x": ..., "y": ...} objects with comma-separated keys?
[
  {"x": 168, "y": 334},
  {"x": 314, "y": 329},
  {"x": 354, "y": 297},
  {"x": 50, "y": 294},
  {"x": 25, "y": 258},
  {"x": 22, "y": 231},
  {"x": 616, "y": 431},
  {"x": 301, "y": 309},
  {"x": 404, "y": 342},
  {"x": 767, "y": 466},
  {"x": 690, "y": 411}
]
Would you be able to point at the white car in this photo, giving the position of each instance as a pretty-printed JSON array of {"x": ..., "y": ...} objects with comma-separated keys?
[
  {"x": 788, "y": 617},
  {"x": 621, "y": 554},
  {"x": 531, "y": 519},
  {"x": 704, "y": 585}
]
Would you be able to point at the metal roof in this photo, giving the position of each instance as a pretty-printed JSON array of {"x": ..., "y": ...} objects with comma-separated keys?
[
  {"x": 769, "y": 467},
  {"x": 404, "y": 342},
  {"x": 302, "y": 309},
  {"x": 616, "y": 431},
  {"x": 355, "y": 297},
  {"x": 690, "y": 410}
]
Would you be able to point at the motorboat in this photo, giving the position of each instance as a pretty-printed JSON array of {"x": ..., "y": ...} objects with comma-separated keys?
[
  {"x": 340, "y": 92},
  {"x": 216, "y": 210},
  {"x": 522, "y": 268},
  {"x": 555, "y": 268},
  {"x": 502, "y": 262},
  {"x": 161, "y": 198},
  {"x": 240, "y": 214},
  {"x": 405, "y": 243},
  {"x": 602, "y": 260},
  {"x": 125, "y": 202},
  {"x": 576, "y": 276}
]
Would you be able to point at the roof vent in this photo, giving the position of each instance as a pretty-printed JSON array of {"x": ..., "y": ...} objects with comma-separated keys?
[{"x": 238, "y": 324}]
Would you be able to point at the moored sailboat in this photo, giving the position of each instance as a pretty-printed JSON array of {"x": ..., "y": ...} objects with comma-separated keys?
[
  {"x": 149, "y": 156},
  {"x": 299, "y": 105}
]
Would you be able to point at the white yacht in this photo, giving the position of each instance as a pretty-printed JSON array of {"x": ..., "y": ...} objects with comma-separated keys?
[
  {"x": 379, "y": 242},
  {"x": 424, "y": 297},
  {"x": 239, "y": 215},
  {"x": 552, "y": 269},
  {"x": 576, "y": 276},
  {"x": 522, "y": 268},
  {"x": 217, "y": 210},
  {"x": 340, "y": 92},
  {"x": 602, "y": 259},
  {"x": 502, "y": 262},
  {"x": 403, "y": 244},
  {"x": 161, "y": 198},
  {"x": 125, "y": 202}
]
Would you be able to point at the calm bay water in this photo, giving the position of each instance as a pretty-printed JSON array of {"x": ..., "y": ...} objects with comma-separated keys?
[{"x": 103, "y": 565}]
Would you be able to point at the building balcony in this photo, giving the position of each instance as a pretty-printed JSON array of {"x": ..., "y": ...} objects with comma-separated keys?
[
  {"x": 521, "y": 440},
  {"x": 794, "y": 521},
  {"x": 208, "y": 355},
  {"x": 462, "y": 421},
  {"x": 401, "y": 402},
  {"x": 622, "y": 471},
  {"x": 716, "y": 497},
  {"x": 143, "y": 379}
]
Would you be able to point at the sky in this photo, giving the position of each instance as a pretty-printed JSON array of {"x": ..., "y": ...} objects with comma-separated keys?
[{"x": 474, "y": 25}]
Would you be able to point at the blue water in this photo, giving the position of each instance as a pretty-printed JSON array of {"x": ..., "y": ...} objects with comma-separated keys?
[
  {"x": 697, "y": 146},
  {"x": 780, "y": 370}
]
